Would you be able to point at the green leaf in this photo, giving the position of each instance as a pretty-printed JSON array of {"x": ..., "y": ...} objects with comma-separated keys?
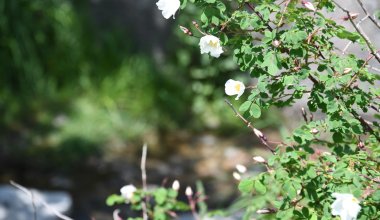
[
  {"x": 115, "y": 199},
  {"x": 344, "y": 34},
  {"x": 259, "y": 187},
  {"x": 160, "y": 195},
  {"x": 255, "y": 111},
  {"x": 246, "y": 186},
  {"x": 271, "y": 62},
  {"x": 311, "y": 172},
  {"x": 245, "y": 106}
]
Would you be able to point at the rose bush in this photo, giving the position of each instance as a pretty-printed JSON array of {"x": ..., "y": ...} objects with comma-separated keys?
[{"x": 328, "y": 167}]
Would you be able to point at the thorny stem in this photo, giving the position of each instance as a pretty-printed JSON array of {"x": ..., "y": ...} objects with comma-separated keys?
[{"x": 248, "y": 123}]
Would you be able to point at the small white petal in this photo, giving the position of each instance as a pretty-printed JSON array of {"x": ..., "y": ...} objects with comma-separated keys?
[
  {"x": 168, "y": 7},
  {"x": 241, "y": 168}
]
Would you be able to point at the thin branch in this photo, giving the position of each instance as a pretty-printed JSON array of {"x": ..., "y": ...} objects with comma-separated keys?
[
  {"x": 143, "y": 177},
  {"x": 283, "y": 13},
  {"x": 361, "y": 33},
  {"x": 33, "y": 198},
  {"x": 368, "y": 14},
  {"x": 259, "y": 15},
  {"x": 349, "y": 43},
  {"x": 257, "y": 132}
]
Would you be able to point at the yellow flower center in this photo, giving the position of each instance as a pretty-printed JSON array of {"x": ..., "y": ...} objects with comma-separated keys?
[
  {"x": 355, "y": 200},
  {"x": 213, "y": 44},
  {"x": 237, "y": 87}
]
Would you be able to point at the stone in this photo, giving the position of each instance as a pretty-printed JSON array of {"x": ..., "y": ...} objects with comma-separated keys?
[{"x": 17, "y": 205}]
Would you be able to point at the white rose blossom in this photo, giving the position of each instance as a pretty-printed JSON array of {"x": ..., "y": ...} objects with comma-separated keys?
[
  {"x": 128, "y": 191},
  {"x": 210, "y": 44},
  {"x": 346, "y": 206},
  {"x": 168, "y": 7},
  {"x": 233, "y": 87}
]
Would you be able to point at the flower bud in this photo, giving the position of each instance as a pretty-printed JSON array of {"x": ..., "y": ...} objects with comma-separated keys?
[
  {"x": 236, "y": 176},
  {"x": 347, "y": 70},
  {"x": 308, "y": 5},
  {"x": 361, "y": 145},
  {"x": 241, "y": 168},
  {"x": 259, "y": 159},
  {"x": 263, "y": 211},
  {"x": 176, "y": 185},
  {"x": 189, "y": 191},
  {"x": 276, "y": 43},
  {"x": 352, "y": 16},
  {"x": 314, "y": 131},
  {"x": 258, "y": 133},
  {"x": 325, "y": 153}
]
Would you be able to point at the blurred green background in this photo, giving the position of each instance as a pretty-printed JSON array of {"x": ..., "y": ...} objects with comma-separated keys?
[{"x": 84, "y": 84}]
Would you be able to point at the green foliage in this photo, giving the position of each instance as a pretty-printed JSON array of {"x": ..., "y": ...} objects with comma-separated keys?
[
  {"x": 282, "y": 49},
  {"x": 161, "y": 203}
]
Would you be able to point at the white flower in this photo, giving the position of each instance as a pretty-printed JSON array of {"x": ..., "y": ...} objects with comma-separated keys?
[
  {"x": 233, "y": 87},
  {"x": 259, "y": 159},
  {"x": 236, "y": 176},
  {"x": 175, "y": 185},
  {"x": 346, "y": 206},
  {"x": 168, "y": 7},
  {"x": 210, "y": 44},
  {"x": 241, "y": 168},
  {"x": 308, "y": 5},
  {"x": 189, "y": 191},
  {"x": 127, "y": 191}
]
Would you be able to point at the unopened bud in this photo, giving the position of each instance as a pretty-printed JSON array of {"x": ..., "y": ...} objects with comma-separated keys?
[
  {"x": 263, "y": 211},
  {"x": 258, "y": 133},
  {"x": 325, "y": 153},
  {"x": 175, "y": 185},
  {"x": 195, "y": 24},
  {"x": 189, "y": 191},
  {"x": 236, "y": 176},
  {"x": 241, "y": 168},
  {"x": 259, "y": 159},
  {"x": 361, "y": 145},
  {"x": 276, "y": 43},
  {"x": 314, "y": 131},
  {"x": 185, "y": 30},
  {"x": 308, "y": 5},
  {"x": 347, "y": 70},
  {"x": 352, "y": 16}
]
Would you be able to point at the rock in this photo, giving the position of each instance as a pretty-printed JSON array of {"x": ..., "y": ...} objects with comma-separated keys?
[{"x": 17, "y": 205}]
